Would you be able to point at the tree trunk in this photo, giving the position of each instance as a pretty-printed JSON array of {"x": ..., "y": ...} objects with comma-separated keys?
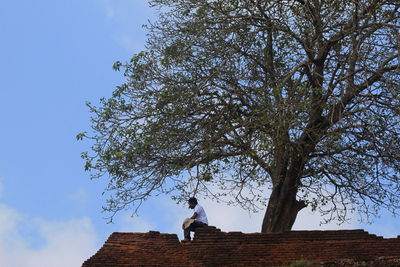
[{"x": 283, "y": 207}]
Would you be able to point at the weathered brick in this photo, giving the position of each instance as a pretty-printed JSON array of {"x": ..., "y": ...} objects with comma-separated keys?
[{"x": 212, "y": 247}]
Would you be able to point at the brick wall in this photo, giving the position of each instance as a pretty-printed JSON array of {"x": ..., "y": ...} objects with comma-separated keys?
[{"x": 212, "y": 247}]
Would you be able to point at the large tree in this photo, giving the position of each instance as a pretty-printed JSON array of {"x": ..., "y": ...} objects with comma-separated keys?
[{"x": 276, "y": 103}]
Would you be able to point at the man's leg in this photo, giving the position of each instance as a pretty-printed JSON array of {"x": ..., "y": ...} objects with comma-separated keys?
[
  {"x": 192, "y": 228},
  {"x": 186, "y": 233},
  {"x": 196, "y": 225}
]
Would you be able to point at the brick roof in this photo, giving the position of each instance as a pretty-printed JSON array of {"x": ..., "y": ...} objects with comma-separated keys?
[{"x": 212, "y": 247}]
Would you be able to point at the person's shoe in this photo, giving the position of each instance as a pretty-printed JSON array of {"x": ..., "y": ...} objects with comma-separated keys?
[{"x": 186, "y": 240}]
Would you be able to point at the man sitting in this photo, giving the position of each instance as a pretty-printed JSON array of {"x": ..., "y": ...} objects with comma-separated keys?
[{"x": 199, "y": 219}]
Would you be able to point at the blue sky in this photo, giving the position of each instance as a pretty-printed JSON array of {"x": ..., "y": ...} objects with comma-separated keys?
[{"x": 55, "y": 56}]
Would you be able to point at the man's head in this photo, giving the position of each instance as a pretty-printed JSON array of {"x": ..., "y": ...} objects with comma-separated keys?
[{"x": 192, "y": 202}]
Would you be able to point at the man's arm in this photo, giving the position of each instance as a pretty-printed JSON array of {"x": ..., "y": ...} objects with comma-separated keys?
[{"x": 194, "y": 215}]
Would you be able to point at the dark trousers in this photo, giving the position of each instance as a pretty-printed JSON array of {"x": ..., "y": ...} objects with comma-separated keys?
[{"x": 192, "y": 228}]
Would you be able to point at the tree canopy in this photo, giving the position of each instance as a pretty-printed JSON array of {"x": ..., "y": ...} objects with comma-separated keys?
[{"x": 234, "y": 99}]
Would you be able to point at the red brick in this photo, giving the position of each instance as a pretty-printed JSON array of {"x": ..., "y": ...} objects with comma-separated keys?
[{"x": 212, "y": 247}]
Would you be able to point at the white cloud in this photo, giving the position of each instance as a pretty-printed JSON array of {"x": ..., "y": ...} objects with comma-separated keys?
[
  {"x": 227, "y": 218},
  {"x": 123, "y": 9},
  {"x": 128, "y": 16},
  {"x": 1, "y": 188},
  {"x": 164, "y": 215},
  {"x": 64, "y": 244},
  {"x": 309, "y": 220},
  {"x": 8, "y": 220},
  {"x": 230, "y": 218},
  {"x": 135, "y": 224},
  {"x": 79, "y": 197},
  {"x": 110, "y": 12}
]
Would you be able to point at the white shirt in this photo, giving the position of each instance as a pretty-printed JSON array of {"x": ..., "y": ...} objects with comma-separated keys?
[{"x": 201, "y": 214}]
